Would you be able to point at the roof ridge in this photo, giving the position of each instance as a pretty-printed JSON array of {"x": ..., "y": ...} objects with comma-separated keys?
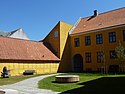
[
  {"x": 111, "y": 10},
  {"x": 18, "y": 39},
  {"x": 12, "y": 32},
  {"x": 104, "y": 20},
  {"x": 105, "y": 12},
  {"x": 70, "y": 31}
]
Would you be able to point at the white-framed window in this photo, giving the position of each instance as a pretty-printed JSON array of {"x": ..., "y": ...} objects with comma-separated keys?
[{"x": 56, "y": 34}]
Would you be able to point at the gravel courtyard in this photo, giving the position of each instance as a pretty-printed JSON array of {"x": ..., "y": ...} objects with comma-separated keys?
[{"x": 29, "y": 86}]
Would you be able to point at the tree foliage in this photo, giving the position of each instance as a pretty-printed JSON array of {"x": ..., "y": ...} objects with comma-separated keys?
[{"x": 120, "y": 52}]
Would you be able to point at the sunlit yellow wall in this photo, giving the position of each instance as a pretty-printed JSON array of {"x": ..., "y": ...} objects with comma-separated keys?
[
  {"x": 64, "y": 47},
  {"x": 64, "y": 32},
  {"x": 54, "y": 41},
  {"x": 94, "y": 48},
  {"x": 58, "y": 42},
  {"x": 61, "y": 43},
  {"x": 18, "y": 68}
]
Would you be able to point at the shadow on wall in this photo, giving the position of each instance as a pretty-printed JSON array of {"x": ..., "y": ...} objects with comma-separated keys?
[
  {"x": 65, "y": 64},
  {"x": 105, "y": 85}
]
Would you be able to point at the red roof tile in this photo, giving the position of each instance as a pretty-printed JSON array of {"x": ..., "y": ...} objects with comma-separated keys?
[
  {"x": 104, "y": 20},
  {"x": 17, "y": 49}
]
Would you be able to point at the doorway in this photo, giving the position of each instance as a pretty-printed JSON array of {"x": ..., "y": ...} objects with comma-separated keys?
[{"x": 77, "y": 63}]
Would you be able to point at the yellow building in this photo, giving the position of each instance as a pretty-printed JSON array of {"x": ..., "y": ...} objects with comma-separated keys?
[
  {"x": 43, "y": 57},
  {"x": 85, "y": 47},
  {"x": 94, "y": 39},
  {"x": 58, "y": 42},
  {"x": 90, "y": 44},
  {"x": 20, "y": 55}
]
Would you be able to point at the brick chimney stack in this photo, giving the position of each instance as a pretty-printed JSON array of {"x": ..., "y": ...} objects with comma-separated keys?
[{"x": 95, "y": 13}]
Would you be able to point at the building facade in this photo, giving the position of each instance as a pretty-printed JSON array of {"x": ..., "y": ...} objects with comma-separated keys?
[
  {"x": 90, "y": 45},
  {"x": 94, "y": 39},
  {"x": 85, "y": 47},
  {"x": 19, "y": 55},
  {"x": 43, "y": 56}
]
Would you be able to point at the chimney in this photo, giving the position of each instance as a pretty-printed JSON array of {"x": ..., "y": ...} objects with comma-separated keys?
[{"x": 95, "y": 13}]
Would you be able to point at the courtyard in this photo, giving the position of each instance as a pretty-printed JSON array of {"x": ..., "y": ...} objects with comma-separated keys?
[{"x": 45, "y": 84}]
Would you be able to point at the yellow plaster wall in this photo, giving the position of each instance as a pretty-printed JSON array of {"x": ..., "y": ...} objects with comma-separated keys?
[
  {"x": 64, "y": 47},
  {"x": 64, "y": 32},
  {"x": 94, "y": 48},
  {"x": 54, "y": 41},
  {"x": 61, "y": 42},
  {"x": 19, "y": 68}
]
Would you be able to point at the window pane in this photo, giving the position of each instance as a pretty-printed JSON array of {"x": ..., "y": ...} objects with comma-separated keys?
[
  {"x": 76, "y": 42},
  {"x": 100, "y": 58},
  {"x": 112, "y": 37},
  {"x": 99, "y": 39},
  {"x": 88, "y": 57},
  {"x": 123, "y": 35},
  {"x": 87, "y": 40}
]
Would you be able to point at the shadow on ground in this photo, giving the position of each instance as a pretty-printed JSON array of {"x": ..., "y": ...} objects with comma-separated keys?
[{"x": 104, "y": 85}]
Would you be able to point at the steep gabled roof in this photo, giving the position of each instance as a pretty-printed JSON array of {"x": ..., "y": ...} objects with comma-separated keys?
[
  {"x": 19, "y": 33},
  {"x": 104, "y": 20},
  {"x": 18, "y": 49},
  {"x": 7, "y": 34}
]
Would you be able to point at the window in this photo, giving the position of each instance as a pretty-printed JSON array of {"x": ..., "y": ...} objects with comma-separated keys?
[
  {"x": 112, "y": 37},
  {"x": 56, "y": 50},
  {"x": 88, "y": 57},
  {"x": 56, "y": 34},
  {"x": 100, "y": 69},
  {"x": 99, "y": 39},
  {"x": 113, "y": 54},
  {"x": 88, "y": 69},
  {"x": 100, "y": 58},
  {"x": 76, "y": 42},
  {"x": 87, "y": 40},
  {"x": 123, "y": 35}
]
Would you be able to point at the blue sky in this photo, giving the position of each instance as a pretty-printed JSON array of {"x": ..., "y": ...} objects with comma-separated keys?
[{"x": 38, "y": 17}]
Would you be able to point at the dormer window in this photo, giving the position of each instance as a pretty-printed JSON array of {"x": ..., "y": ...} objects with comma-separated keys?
[{"x": 56, "y": 34}]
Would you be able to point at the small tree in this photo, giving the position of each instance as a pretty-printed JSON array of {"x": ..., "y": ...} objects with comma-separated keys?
[
  {"x": 103, "y": 59},
  {"x": 120, "y": 52}
]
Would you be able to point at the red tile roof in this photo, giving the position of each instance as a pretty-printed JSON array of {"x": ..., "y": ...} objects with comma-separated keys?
[
  {"x": 104, "y": 20},
  {"x": 17, "y": 49}
]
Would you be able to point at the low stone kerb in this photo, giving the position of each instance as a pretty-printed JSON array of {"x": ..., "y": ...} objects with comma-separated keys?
[{"x": 67, "y": 78}]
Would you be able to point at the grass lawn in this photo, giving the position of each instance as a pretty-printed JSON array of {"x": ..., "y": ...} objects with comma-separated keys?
[
  {"x": 14, "y": 79},
  {"x": 88, "y": 84}
]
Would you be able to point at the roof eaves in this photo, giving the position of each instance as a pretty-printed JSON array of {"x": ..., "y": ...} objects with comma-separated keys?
[{"x": 58, "y": 60}]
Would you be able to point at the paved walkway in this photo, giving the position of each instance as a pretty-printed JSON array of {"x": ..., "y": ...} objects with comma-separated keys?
[{"x": 30, "y": 86}]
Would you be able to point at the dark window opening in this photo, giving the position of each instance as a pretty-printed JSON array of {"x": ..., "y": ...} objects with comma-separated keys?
[
  {"x": 100, "y": 57},
  {"x": 76, "y": 42},
  {"x": 123, "y": 35},
  {"x": 88, "y": 69},
  {"x": 112, "y": 37},
  {"x": 100, "y": 70},
  {"x": 99, "y": 39},
  {"x": 87, "y": 40},
  {"x": 88, "y": 57}
]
